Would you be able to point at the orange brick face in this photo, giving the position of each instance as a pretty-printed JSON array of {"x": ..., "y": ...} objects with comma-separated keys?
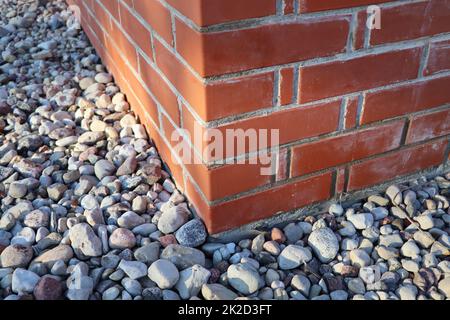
[
  {"x": 354, "y": 107},
  {"x": 371, "y": 71},
  {"x": 342, "y": 149}
]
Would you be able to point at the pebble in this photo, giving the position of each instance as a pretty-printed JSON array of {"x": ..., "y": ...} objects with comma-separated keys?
[
  {"x": 183, "y": 257},
  {"x": 164, "y": 273},
  {"x": 24, "y": 281},
  {"x": 84, "y": 241},
  {"x": 191, "y": 281},
  {"x": 192, "y": 234},
  {"x": 122, "y": 239},
  {"x": 324, "y": 243},
  {"x": 217, "y": 291},
  {"x": 293, "y": 256},
  {"x": 133, "y": 269},
  {"x": 16, "y": 256},
  {"x": 243, "y": 278}
]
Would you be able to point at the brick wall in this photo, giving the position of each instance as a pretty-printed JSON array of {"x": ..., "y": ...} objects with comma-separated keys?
[{"x": 355, "y": 107}]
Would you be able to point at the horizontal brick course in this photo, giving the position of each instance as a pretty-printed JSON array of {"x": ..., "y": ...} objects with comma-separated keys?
[
  {"x": 261, "y": 46},
  {"x": 322, "y": 5},
  {"x": 157, "y": 16},
  {"x": 399, "y": 163},
  {"x": 341, "y": 77},
  {"x": 412, "y": 20},
  {"x": 428, "y": 126},
  {"x": 334, "y": 151},
  {"x": 404, "y": 99},
  {"x": 204, "y": 13},
  {"x": 264, "y": 204},
  {"x": 438, "y": 58}
]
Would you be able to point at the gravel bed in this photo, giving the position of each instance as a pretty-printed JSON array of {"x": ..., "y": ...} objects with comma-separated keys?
[{"x": 88, "y": 211}]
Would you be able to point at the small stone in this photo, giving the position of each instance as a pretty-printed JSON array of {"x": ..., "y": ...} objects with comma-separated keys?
[
  {"x": 277, "y": 235},
  {"x": 191, "y": 281},
  {"x": 173, "y": 219},
  {"x": 183, "y": 257},
  {"x": 324, "y": 243},
  {"x": 293, "y": 232},
  {"x": 128, "y": 167},
  {"x": 192, "y": 234},
  {"x": 293, "y": 256},
  {"x": 17, "y": 190},
  {"x": 339, "y": 295},
  {"x": 257, "y": 243},
  {"x": 129, "y": 220},
  {"x": 302, "y": 284},
  {"x": 407, "y": 292},
  {"x": 48, "y": 288},
  {"x": 336, "y": 210},
  {"x": 410, "y": 249},
  {"x": 104, "y": 168},
  {"x": 133, "y": 269},
  {"x": 444, "y": 286},
  {"x": 370, "y": 274},
  {"x": 103, "y": 78},
  {"x": 148, "y": 253},
  {"x": 361, "y": 221},
  {"x": 243, "y": 278},
  {"x": 16, "y": 256},
  {"x": 359, "y": 258},
  {"x": 394, "y": 193},
  {"x": 122, "y": 239},
  {"x": 60, "y": 253},
  {"x": 111, "y": 293},
  {"x": 84, "y": 241},
  {"x": 163, "y": 273},
  {"x": 217, "y": 292},
  {"x": 24, "y": 281},
  {"x": 56, "y": 191},
  {"x": 356, "y": 286}
]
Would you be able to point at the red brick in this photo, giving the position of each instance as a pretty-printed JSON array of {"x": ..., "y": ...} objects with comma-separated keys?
[
  {"x": 289, "y": 6},
  {"x": 351, "y": 113},
  {"x": 157, "y": 16},
  {"x": 286, "y": 86},
  {"x": 438, "y": 59},
  {"x": 205, "y": 13},
  {"x": 261, "y": 46},
  {"x": 136, "y": 30},
  {"x": 346, "y": 76},
  {"x": 220, "y": 98},
  {"x": 340, "y": 181},
  {"x": 322, "y": 5},
  {"x": 360, "y": 32},
  {"x": 101, "y": 16},
  {"x": 112, "y": 6},
  {"x": 264, "y": 204},
  {"x": 429, "y": 126},
  {"x": 405, "y": 99},
  {"x": 282, "y": 165},
  {"x": 396, "y": 164},
  {"x": 160, "y": 89},
  {"x": 293, "y": 124},
  {"x": 125, "y": 46},
  {"x": 334, "y": 151},
  {"x": 225, "y": 180},
  {"x": 412, "y": 20}
]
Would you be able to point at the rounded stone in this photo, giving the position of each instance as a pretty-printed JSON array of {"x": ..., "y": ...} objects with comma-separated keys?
[
  {"x": 192, "y": 234},
  {"x": 324, "y": 243},
  {"x": 16, "y": 256},
  {"x": 122, "y": 239},
  {"x": 163, "y": 273}
]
